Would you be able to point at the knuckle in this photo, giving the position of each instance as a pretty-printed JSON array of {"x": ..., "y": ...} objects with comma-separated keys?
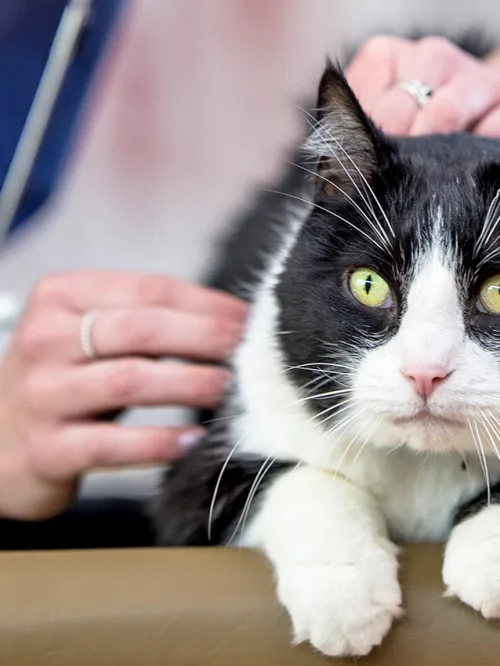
[
  {"x": 33, "y": 339},
  {"x": 49, "y": 290},
  {"x": 153, "y": 289},
  {"x": 439, "y": 48},
  {"x": 33, "y": 390},
  {"x": 140, "y": 334},
  {"x": 123, "y": 380},
  {"x": 378, "y": 47},
  {"x": 208, "y": 386},
  {"x": 227, "y": 335},
  {"x": 446, "y": 116}
]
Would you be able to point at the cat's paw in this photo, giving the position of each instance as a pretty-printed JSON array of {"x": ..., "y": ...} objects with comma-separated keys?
[
  {"x": 471, "y": 568},
  {"x": 343, "y": 608}
]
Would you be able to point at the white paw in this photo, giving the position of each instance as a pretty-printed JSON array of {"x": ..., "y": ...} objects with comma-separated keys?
[
  {"x": 471, "y": 568},
  {"x": 343, "y": 608}
]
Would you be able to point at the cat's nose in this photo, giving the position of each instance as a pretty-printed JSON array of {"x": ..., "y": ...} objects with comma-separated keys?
[{"x": 426, "y": 379}]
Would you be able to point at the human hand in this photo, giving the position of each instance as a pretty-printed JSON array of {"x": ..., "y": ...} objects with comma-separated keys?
[
  {"x": 51, "y": 393},
  {"x": 466, "y": 90}
]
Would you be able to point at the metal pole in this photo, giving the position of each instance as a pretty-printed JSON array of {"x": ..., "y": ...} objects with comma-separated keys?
[{"x": 73, "y": 21}]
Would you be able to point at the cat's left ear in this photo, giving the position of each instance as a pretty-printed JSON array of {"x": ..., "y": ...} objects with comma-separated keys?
[{"x": 343, "y": 141}]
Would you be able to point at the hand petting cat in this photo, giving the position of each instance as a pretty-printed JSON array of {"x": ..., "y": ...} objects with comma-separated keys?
[
  {"x": 55, "y": 382},
  {"x": 450, "y": 90}
]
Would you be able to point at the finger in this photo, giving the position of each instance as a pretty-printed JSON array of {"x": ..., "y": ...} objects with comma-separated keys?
[
  {"x": 158, "y": 332},
  {"x": 459, "y": 105},
  {"x": 395, "y": 112},
  {"x": 431, "y": 61},
  {"x": 489, "y": 125},
  {"x": 373, "y": 69},
  {"x": 128, "y": 382},
  {"x": 84, "y": 447},
  {"x": 85, "y": 290}
]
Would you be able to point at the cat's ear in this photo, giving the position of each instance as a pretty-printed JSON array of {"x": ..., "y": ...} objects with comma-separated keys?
[{"x": 343, "y": 141}]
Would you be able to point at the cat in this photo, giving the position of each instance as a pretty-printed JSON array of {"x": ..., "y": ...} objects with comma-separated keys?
[{"x": 366, "y": 406}]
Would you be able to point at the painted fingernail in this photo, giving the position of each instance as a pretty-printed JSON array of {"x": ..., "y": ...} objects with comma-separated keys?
[
  {"x": 230, "y": 384},
  {"x": 191, "y": 438}
]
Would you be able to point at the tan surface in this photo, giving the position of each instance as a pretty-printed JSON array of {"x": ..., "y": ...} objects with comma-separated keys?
[{"x": 211, "y": 607}]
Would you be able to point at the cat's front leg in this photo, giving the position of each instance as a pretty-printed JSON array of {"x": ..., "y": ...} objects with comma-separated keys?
[
  {"x": 336, "y": 569},
  {"x": 471, "y": 569}
]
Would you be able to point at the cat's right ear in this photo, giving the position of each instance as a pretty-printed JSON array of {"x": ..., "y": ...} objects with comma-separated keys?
[{"x": 343, "y": 141}]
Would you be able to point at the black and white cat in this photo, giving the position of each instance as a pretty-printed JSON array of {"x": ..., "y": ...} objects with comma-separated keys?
[{"x": 366, "y": 409}]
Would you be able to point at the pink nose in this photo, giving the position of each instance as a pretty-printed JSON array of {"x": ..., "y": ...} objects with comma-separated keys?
[{"x": 426, "y": 379}]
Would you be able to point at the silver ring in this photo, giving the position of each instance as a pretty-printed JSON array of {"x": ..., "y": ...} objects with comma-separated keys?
[
  {"x": 86, "y": 341},
  {"x": 420, "y": 91}
]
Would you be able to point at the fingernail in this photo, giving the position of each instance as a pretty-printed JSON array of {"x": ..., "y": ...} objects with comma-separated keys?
[
  {"x": 229, "y": 384},
  {"x": 191, "y": 438}
]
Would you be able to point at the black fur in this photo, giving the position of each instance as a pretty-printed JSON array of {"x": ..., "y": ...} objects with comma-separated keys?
[
  {"x": 477, "y": 504},
  {"x": 181, "y": 512}
]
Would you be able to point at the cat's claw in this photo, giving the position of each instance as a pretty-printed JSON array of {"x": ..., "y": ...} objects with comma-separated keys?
[
  {"x": 471, "y": 568},
  {"x": 342, "y": 609}
]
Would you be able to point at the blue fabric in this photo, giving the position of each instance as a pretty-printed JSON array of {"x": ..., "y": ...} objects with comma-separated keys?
[{"x": 27, "y": 28}]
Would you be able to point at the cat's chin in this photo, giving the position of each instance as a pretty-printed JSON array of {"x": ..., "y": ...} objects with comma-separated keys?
[
  {"x": 428, "y": 421},
  {"x": 425, "y": 431}
]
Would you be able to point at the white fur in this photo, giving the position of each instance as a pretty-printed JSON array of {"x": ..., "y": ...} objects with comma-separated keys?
[
  {"x": 325, "y": 533},
  {"x": 471, "y": 569}
]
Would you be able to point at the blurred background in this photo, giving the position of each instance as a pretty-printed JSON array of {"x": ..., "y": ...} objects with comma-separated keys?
[{"x": 173, "y": 113}]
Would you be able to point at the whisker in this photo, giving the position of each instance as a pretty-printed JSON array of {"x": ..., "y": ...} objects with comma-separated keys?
[
  {"x": 329, "y": 212},
  {"x": 488, "y": 227},
  {"x": 265, "y": 467},
  {"x": 490, "y": 436},
  {"x": 482, "y": 458},
  {"x": 345, "y": 404},
  {"x": 350, "y": 444},
  {"x": 376, "y": 227},
  {"x": 217, "y": 486},
  {"x": 363, "y": 445},
  {"x": 318, "y": 396},
  {"x": 316, "y": 124}
]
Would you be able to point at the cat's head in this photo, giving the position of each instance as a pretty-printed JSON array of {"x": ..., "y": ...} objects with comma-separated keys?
[{"x": 390, "y": 296}]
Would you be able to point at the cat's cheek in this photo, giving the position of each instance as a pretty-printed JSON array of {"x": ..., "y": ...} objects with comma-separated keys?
[{"x": 471, "y": 568}]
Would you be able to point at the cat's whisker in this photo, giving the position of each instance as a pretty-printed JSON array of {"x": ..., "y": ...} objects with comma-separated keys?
[
  {"x": 482, "y": 457},
  {"x": 264, "y": 468},
  {"x": 360, "y": 173},
  {"x": 363, "y": 445},
  {"x": 329, "y": 212},
  {"x": 489, "y": 425},
  {"x": 488, "y": 228},
  {"x": 218, "y": 419},
  {"x": 217, "y": 486},
  {"x": 376, "y": 227},
  {"x": 319, "y": 396},
  {"x": 493, "y": 254},
  {"x": 343, "y": 424},
  {"x": 344, "y": 404},
  {"x": 314, "y": 125},
  {"x": 318, "y": 382},
  {"x": 315, "y": 365},
  {"x": 349, "y": 445}
]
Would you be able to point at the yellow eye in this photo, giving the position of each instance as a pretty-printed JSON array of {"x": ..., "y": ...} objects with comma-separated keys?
[
  {"x": 489, "y": 295},
  {"x": 370, "y": 289}
]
